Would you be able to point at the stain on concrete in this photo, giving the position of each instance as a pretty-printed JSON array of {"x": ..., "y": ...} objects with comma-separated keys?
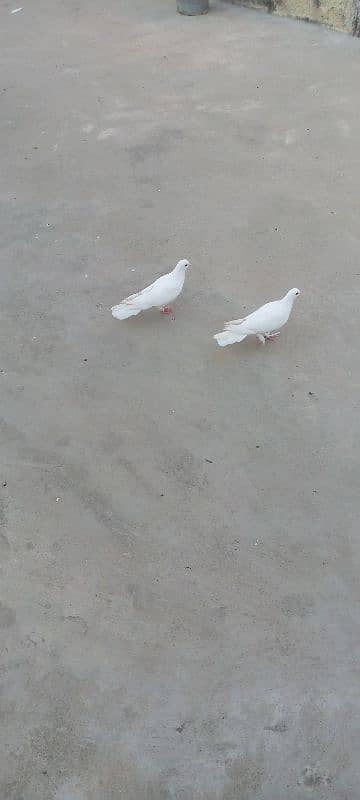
[
  {"x": 181, "y": 727},
  {"x": 75, "y": 479},
  {"x": 70, "y": 790},
  {"x": 278, "y": 727},
  {"x": 4, "y": 544},
  {"x": 314, "y": 778},
  {"x": 7, "y": 616},
  {"x": 9, "y": 433},
  {"x": 245, "y": 775},
  {"x": 187, "y": 470},
  {"x": 4, "y": 540},
  {"x": 77, "y": 623},
  {"x": 64, "y": 441},
  {"x": 297, "y": 605},
  {"x": 53, "y": 750},
  {"x": 156, "y": 144}
]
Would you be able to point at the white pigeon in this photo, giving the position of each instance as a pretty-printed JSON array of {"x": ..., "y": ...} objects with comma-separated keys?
[
  {"x": 261, "y": 323},
  {"x": 159, "y": 294}
]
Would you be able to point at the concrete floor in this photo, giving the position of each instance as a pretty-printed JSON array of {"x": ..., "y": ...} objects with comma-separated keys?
[{"x": 180, "y": 603}]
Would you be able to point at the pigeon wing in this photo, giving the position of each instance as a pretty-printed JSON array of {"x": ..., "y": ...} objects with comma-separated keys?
[{"x": 152, "y": 295}]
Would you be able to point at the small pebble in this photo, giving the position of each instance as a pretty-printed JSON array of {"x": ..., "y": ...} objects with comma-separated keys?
[{"x": 181, "y": 727}]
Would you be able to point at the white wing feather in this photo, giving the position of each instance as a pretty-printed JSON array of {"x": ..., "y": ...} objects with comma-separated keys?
[{"x": 158, "y": 294}]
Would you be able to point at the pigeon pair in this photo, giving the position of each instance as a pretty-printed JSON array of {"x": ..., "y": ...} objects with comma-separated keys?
[{"x": 262, "y": 323}]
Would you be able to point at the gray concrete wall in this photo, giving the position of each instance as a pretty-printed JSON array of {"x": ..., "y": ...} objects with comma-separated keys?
[{"x": 342, "y": 15}]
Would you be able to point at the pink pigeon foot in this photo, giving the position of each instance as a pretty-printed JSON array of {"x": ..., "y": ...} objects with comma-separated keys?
[
  {"x": 166, "y": 310},
  {"x": 271, "y": 336}
]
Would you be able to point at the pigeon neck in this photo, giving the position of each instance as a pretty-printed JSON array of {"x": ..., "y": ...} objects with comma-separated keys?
[
  {"x": 289, "y": 298},
  {"x": 179, "y": 269}
]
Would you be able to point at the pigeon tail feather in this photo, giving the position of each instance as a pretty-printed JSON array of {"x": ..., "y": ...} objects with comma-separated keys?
[
  {"x": 228, "y": 337},
  {"x": 123, "y": 311}
]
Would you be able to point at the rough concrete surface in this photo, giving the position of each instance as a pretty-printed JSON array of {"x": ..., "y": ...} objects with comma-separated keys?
[{"x": 179, "y": 596}]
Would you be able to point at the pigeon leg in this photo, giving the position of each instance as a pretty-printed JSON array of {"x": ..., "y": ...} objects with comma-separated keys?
[
  {"x": 271, "y": 336},
  {"x": 166, "y": 310},
  {"x": 261, "y": 338}
]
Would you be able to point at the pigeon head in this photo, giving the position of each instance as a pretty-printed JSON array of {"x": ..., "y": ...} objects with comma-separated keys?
[
  {"x": 293, "y": 293},
  {"x": 183, "y": 264}
]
